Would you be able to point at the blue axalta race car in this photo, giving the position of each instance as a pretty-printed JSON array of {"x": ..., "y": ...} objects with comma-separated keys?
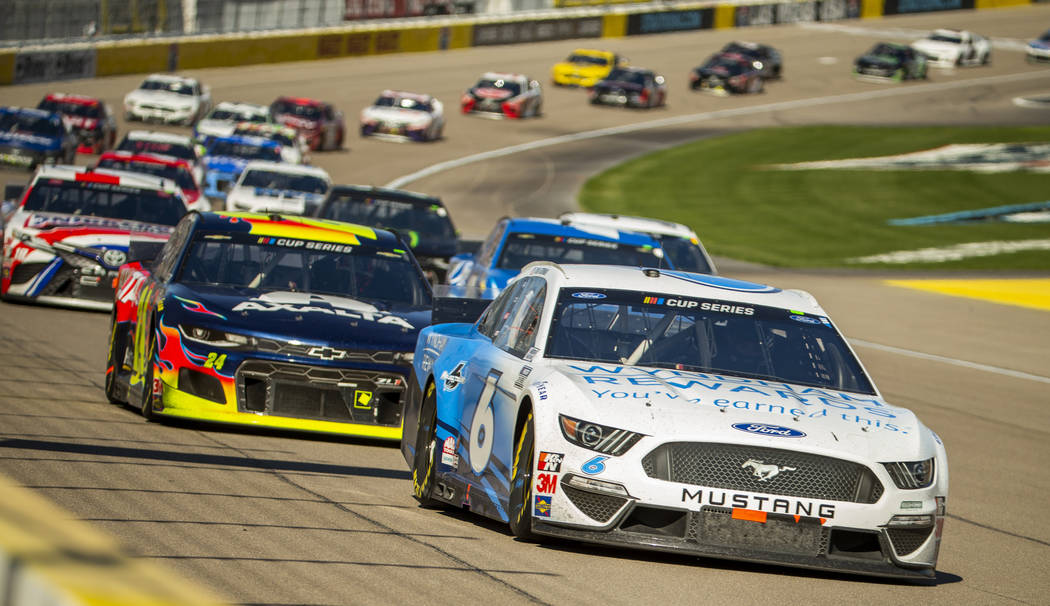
[
  {"x": 226, "y": 158},
  {"x": 516, "y": 242},
  {"x": 30, "y": 137},
  {"x": 271, "y": 321}
]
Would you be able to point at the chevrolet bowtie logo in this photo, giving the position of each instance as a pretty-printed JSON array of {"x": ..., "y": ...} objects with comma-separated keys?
[{"x": 327, "y": 353}]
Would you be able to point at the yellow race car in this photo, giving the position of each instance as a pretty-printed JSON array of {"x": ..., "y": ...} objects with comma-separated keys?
[{"x": 585, "y": 67}]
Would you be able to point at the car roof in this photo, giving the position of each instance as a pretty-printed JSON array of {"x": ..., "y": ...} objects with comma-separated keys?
[
  {"x": 555, "y": 227},
  {"x": 300, "y": 101},
  {"x": 240, "y": 106},
  {"x": 131, "y": 156},
  {"x": 159, "y": 136},
  {"x": 171, "y": 78},
  {"x": 592, "y": 52},
  {"x": 672, "y": 282},
  {"x": 75, "y": 99},
  {"x": 271, "y": 127},
  {"x": 301, "y": 228},
  {"x": 285, "y": 167},
  {"x": 65, "y": 172},
  {"x": 246, "y": 139},
  {"x": 384, "y": 192},
  {"x": 640, "y": 224},
  {"x": 402, "y": 93},
  {"x": 504, "y": 76}
]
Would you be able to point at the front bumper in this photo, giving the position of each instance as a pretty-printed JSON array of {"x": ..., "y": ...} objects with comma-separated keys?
[
  {"x": 1038, "y": 55},
  {"x": 159, "y": 113}
]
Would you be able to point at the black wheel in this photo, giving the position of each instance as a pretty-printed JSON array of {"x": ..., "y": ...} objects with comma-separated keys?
[
  {"x": 424, "y": 466},
  {"x": 521, "y": 482},
  {"x": 146, "y": 397},
  {"x": 115, "y": 363}
]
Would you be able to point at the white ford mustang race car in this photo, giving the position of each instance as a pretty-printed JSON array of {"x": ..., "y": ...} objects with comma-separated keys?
[
  {"x": 168, "y": 98},
  {"x": 403, "y": 115},
  {"x": 279, "y": 187},
  {"x": 673, "y": 411},
  {"x": 953, "y": 47}
]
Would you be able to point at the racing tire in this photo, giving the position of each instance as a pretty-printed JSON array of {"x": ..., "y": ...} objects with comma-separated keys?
[
  {"x": 424, "y": 465},
  {"x": 115, "y": 360},
  {"x": 146, "y": 397},
  {"x": 520, "y": 511}
]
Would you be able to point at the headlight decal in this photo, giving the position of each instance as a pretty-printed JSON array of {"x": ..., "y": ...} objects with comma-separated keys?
[
  {"x": 910, "y": 475},
  {"x": 600, "y": 438}
]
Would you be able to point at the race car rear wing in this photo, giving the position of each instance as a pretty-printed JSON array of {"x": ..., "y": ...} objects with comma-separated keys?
[{"x": 454, "y": 305}]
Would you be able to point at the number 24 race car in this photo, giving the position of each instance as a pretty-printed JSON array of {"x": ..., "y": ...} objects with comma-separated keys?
[{"x": 676, "y": 412}]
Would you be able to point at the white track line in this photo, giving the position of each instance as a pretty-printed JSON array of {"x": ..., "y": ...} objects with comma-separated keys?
[
  {"x": 898, "y": 33},
  {"x": 906, "y": 89},
  {"x": 953, "y": 361}
]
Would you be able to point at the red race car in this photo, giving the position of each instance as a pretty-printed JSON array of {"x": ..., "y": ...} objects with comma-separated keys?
[
  {"x": 168, "y": 167},
  {"x": 89, "y": 118},
  {"x": 320, "y": 123}
]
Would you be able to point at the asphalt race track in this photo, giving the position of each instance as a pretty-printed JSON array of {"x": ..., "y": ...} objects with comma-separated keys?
[{"x": 270, "y": 518}]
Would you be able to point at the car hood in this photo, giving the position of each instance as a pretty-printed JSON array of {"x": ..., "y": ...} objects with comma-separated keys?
[
  {"x": 160, "y": 98},
  {"x": 937, "y": 47},
  {"x": 216, "y": 128},
  {"x": 309, "y": 318},
  {"x": 85, "y": 236},
  {"x": 681, "y": 405},
  {"x": 289, "y": 200},
  {"x": 30, "y": 141},
  {"x": 396, "y": 116},
  {"x": 878, "y": 61},
  {"x": 487, "y": 92},
  {"x": 229, "y": 164},
  {"x": 296, "y": 122}
]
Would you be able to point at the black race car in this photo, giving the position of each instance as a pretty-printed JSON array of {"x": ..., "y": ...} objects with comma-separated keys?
[
  {"x": 890, "y": 61},
  {"x": 422, "y": 220},
  {"x": 763, "y": 57},
  {"x": 630, "y": 87},
  {"x": 726, "y": 73}
]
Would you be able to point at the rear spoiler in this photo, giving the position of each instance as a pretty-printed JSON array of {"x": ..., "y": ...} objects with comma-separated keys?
[{"x": 457, "y": 305}]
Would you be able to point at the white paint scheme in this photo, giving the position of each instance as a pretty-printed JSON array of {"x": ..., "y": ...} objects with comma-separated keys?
[
  {"x": 392, "y": 118},
  {"x": 953, "y": 47},
  {"x": 253, "y": 199},
  {"x": 166, "y": 106},
  {"x": 223, "y": 127}
]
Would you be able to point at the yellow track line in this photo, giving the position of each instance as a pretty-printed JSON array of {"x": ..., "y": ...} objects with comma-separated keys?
[{"x": 1031, "y": 293}]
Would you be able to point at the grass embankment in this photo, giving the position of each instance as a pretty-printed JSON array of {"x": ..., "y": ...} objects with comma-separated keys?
[{"x": 743, "y": 209}]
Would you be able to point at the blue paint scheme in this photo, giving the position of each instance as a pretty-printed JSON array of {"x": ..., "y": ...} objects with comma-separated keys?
[
  {"x": 480, "y": 271},
  {"x": 47, "y": 140},
  {"x": 228, "y": 168},
  {"x": 723, "y": 283}
]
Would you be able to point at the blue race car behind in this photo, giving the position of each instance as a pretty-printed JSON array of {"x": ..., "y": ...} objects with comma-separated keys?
[{"x": 30, "y": 137}]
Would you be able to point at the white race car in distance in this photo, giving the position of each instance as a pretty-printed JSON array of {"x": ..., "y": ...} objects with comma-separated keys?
[
  {"x": 279, "y": 187},
  {"x": 167, "y": 98},
  {"x": 404, "y": 115},
  {"x": 673, "y": 411},
  {"x": 953, "y": 47},
  {"x": 222, "y": 120}
]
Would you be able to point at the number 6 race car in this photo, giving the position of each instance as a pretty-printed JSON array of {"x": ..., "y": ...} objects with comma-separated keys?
[
  {"x": 270, "y": 321},
  {"x": 673, "y": 411}
]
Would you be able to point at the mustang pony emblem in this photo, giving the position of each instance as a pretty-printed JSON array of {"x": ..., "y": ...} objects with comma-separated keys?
[{"x": 764, "y": 471}]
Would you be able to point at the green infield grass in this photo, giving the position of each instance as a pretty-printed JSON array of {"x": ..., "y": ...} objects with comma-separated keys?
[{"x": 725, "y": 189}]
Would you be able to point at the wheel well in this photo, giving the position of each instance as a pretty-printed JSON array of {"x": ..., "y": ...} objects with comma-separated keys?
[{"x": 523, "y": 410}]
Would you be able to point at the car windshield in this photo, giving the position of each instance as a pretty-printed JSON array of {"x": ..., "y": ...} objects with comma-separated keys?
[
  {"x": 48, "y": 126},
  {"x": 950, "y": 38},
  {"x": 279, "y": 135},
  {"x": 145, "y": 146},
  {"x": 626, "y": 75},
  {"x": 684, "y": 254},
  {"x": 231, "y": 115},
  {"x": 705, "y": 336},
  {"x": 84, "y": 110},
  {"x": 89, "y": 199},
  {"x": 175, "y": 172},
  {"x": 587, "y": 60},
  {"x": 360, "y": 272},
  {"x": 271, "y": 179},
  {"x": 887, "y": 50},
  {"x": 521, "y": 249},
  {"x": 730, "y": 65},
  {"x": 402, "y": 103},
  {"x": 514, "y": 88},
  {"x": 240, "y": 149},
  {"x": 423, "y": 217},
  {"x": 302, "y": 110},
  {"x": 179, "y": 88}
]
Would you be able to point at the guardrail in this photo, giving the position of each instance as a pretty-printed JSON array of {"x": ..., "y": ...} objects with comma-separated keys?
[{"x": 111, "y": 58}]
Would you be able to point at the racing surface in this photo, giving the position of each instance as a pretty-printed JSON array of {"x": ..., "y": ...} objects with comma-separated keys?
[{"x": 272, "y": 518}]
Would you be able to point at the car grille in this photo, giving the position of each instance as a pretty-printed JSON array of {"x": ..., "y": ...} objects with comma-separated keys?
[
  {"x": 779, "y": 533},
  {"x": 324, "y": 353},
  {"x": 598, "y": 507},
  {"x": 907, "y": 540},
  {"x": 155, "y": 108},
  {"x": 320, "y": 392},
  {"x": 798, "y": 474}
]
